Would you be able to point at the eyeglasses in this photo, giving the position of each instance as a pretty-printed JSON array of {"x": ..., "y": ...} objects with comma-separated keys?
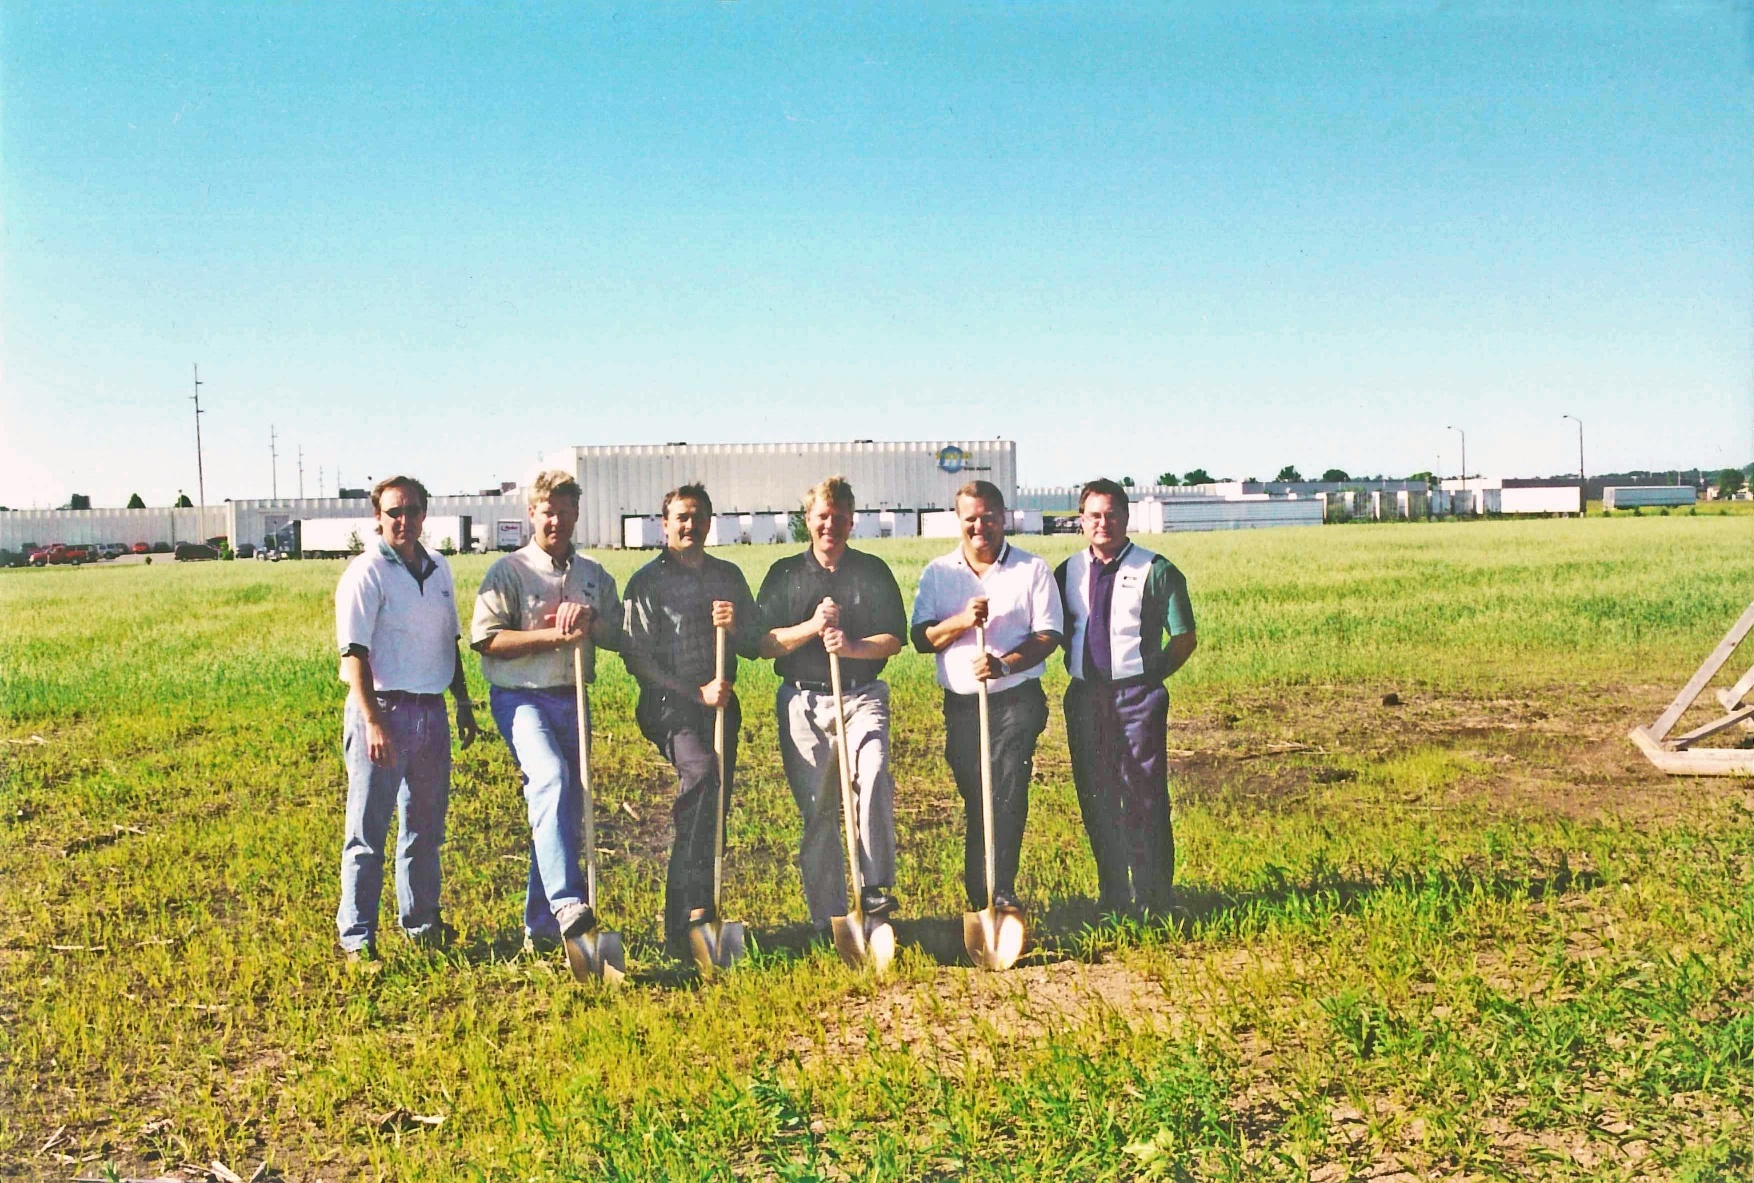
[{"x": 403, "y": 511}]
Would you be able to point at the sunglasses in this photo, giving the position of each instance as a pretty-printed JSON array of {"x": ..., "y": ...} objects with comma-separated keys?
[{"x": 403, "y": 511}]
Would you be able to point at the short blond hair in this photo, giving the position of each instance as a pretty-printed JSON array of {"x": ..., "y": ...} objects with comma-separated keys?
[
  {"x": 834, "y": 491},
  {"x": 552, "y": 483}
]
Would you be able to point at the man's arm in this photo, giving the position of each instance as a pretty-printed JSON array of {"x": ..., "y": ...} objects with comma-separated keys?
[
  {"x": 1176, "y": 653},
  {"x": 467, "y": 731},
  {"x": 356, "y": 668}
]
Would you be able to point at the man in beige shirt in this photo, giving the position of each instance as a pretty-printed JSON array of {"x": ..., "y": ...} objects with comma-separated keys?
[{"x": 534, "y": 607}]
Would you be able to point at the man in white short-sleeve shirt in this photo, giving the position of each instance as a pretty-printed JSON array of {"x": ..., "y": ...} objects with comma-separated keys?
[
  {"x": 987, "y": 581},
  {"x": 397, "y": 626}
]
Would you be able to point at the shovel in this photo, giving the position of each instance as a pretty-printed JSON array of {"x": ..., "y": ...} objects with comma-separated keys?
[
  {"x": 860, "y": 942},
  {"x": 596, "y": 954},
  {"x": 715, "y": 943},
  {"x": 994, "y": 939}
]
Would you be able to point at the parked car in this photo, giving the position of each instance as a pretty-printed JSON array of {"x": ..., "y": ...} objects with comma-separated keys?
[
  {"x": 190, "y": 552},
  {"x": 59, "y": 555},
  {"x": 13, "y": 558},
  {"x": 141, "y": 548},
  {"x": 110, "y": 550},
  {"x": 246, "y": 550},
  {"x": 160, "y": 548}
]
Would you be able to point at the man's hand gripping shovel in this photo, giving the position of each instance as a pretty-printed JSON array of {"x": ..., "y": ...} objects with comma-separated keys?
[
  {"x": 859, "y": 940},
  {"x": 715, "y": 943},
  {"x": 595, "y": 954},
  {"x": 994, "y": 939}
]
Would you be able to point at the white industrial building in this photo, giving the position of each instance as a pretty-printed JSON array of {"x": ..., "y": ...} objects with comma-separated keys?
[{"x": 623, "y": 482}]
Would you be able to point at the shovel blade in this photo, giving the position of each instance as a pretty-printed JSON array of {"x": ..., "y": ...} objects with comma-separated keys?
[
  {"x": 994, "y": 939},
  {"x": 596, "y": 956},
  {"x": 717, "y": 944},
  {"x": 864, "y": 942}
]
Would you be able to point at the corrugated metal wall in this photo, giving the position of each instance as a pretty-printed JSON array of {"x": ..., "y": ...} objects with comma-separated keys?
[
  {"x": 126, "y": 526},
  {"x": 623, "y": 480}
]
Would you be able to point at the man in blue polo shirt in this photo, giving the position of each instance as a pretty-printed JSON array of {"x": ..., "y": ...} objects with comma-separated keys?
[
  {"x": 1129, "y": 626},
  {"x": 396, "y": 621}
]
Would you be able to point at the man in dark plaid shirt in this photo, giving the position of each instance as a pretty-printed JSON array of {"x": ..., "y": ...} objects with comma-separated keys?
[{"x": 675, "y": 604}]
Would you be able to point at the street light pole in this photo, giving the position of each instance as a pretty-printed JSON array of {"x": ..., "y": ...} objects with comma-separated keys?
[
  {"x": 1464, "y": 436},
  {"x": 200, "y": 473},
  {"x": 1579, "y": 422}
]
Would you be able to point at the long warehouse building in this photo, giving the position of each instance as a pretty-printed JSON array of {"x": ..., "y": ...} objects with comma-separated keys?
[{"x": 623, "y": 481}]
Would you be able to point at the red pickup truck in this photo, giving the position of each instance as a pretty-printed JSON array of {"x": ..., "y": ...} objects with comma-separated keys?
[{"x": 59, "y": 555}]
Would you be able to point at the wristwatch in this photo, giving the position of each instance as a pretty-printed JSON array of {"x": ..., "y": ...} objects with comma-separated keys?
[{"x": 999, "y": 664}]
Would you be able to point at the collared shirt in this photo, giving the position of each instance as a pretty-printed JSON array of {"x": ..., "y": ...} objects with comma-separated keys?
[
  {"x": 1098, "y": 660},
  {"x": 861, "y": 585},
  {"x": 1022, "y": 599},
  {"x": 668, "y": 618},
  {"x": 404, "y": 619},
  {"x": 1133, "y": 602},
  {"x": 521, "y": 592}
]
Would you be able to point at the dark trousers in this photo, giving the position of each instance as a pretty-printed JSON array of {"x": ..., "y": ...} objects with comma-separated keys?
[
  {"x": 1118, "y": 734},
  {"x": 1016, "y": 719},
  {"x": 683, "y": 732}
]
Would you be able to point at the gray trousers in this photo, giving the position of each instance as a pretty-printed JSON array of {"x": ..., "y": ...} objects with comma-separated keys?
[{"x": 806, "y": 726}]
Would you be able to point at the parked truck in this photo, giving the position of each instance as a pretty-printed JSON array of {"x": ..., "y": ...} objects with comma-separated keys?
[{"x": 333, "y": 538}]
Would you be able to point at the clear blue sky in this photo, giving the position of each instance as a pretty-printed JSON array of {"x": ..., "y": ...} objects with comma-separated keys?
[{"x": 1132, "y": 237}]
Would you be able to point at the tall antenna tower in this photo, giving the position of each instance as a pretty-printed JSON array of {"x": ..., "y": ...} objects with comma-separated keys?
[
  {"x": 273, "y": 464},
  {"x": 301, "y": 472},
  {"x": 200, "y": 473}
]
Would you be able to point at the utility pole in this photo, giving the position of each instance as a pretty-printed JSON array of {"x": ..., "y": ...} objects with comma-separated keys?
[
  {"x": 1579, "y": 422},
  {"x": 301, "y": 472},
  {"x": 273, "y": 464},
  {"x": 200, "y": 473},
  {"x": 1464, "y": 436}
]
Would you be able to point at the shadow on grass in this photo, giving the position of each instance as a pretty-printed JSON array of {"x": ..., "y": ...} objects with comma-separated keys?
[{"x": 1073, "y": 928}]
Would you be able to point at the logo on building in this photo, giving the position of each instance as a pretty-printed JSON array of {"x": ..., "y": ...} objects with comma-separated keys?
[{"x": 951, "y": 458}]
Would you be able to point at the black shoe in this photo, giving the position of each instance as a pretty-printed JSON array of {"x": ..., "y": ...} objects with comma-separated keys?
[
  {"x": 1007, "y": 901},
  {"x": 877, "y": 903},
  {"x": 437, "y": 935},
  {"x": 575, "y": 920}
]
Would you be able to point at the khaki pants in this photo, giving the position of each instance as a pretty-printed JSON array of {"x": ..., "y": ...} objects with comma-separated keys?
[{"x": 806, "y": 727}]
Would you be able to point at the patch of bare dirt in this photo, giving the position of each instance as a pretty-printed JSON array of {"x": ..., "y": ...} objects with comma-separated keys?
[
  {"x": 1562, "y": 753},
  {"x": 961, "y": 1009}
]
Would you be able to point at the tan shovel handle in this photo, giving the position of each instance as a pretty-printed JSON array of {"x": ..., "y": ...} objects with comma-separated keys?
[
  {"x": 719, "y": 752},
  {"x": 980, "y": 641},
  {"x": 847, "y": 803},
  {"x": 578, "y": 679}
]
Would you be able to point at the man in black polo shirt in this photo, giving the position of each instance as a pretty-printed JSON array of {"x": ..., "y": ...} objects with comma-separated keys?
[
  {"x": 834, "y": 600},
  {"x": 675, "y": 604}
]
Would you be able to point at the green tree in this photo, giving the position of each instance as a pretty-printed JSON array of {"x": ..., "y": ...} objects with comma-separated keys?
[
  {"x": 136, "y": 502},
  {"x": 1197, "y": 476},
  {"x": 1427, "y": 477},
  {"x": 1335, "y": 474},
  {"x": 78, "y": 501},
  {"x": 1126, "y": 482},
  {"x": 1729, "y": 482},
  {"x": 183, "y": 501},
  {"x": 1168, "y": 479},
  {"x": 1289, "y": 473}
]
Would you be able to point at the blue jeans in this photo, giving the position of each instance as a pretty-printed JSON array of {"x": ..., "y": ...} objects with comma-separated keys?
[
  {"x": 417, "y": 784},
  {"x": 541, "y": 727}
]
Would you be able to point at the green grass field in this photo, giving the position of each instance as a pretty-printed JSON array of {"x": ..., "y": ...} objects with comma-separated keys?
[{"x": 1466, "y": 933}]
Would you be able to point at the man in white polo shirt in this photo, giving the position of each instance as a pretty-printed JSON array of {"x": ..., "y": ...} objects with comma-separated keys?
[
  {"x": 987, "y": 581},
  {"x": 534, "y": 607},
  {"x": 396, "y": 621}
]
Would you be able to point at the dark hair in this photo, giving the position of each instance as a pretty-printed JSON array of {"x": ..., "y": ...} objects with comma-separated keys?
[
  {"x": 985, "y": 491},
  {"x": 1103, "y": 487},
  {"x": 406, "y": 483},
  {"x": 693, "y": 492}
]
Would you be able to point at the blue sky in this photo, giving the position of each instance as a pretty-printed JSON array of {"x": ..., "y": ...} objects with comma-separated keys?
[{"x": 1131, "y": 237}]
